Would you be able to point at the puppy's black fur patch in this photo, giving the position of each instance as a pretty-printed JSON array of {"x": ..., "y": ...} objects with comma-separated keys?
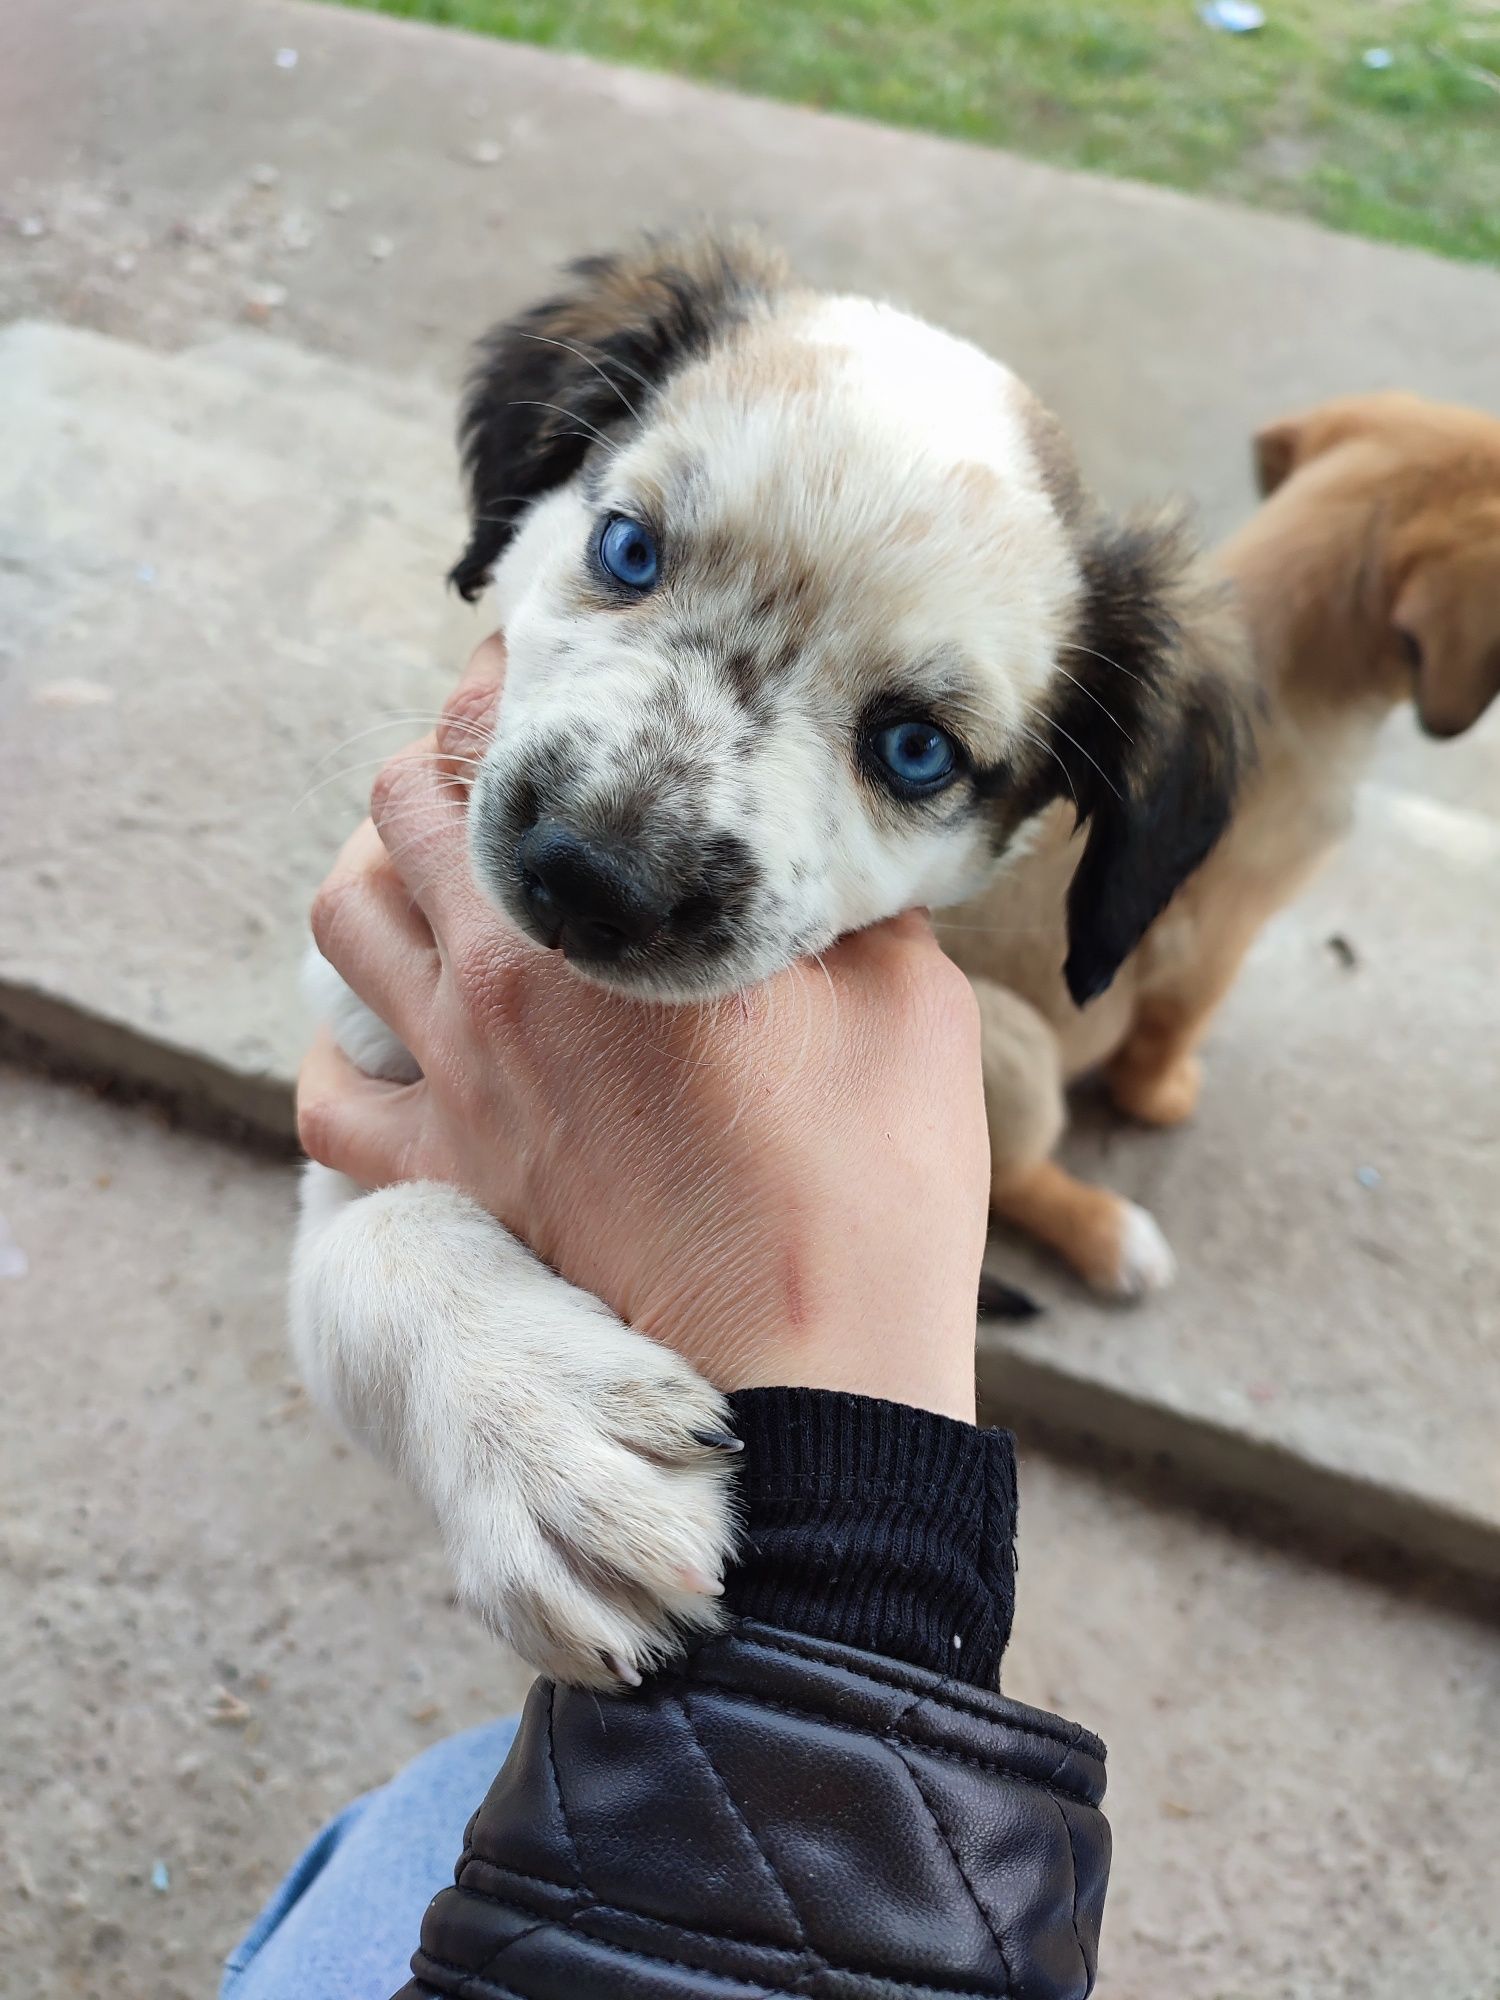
[
  {"x": 545, "y": 386},
  {"x": 1153, "y": 731}
]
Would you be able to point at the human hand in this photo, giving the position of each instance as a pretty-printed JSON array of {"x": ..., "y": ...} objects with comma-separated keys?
[{"x": 787, "y": 1187}]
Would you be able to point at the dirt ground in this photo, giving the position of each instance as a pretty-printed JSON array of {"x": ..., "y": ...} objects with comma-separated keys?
[{"x": 218, "y": 1624}]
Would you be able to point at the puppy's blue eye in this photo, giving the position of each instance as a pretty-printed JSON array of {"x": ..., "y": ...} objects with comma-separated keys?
[
  {"x": 918, "y": 755},
  {"x": 628, "y": 552}
]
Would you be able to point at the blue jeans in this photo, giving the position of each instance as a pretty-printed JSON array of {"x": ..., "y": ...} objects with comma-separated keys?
[{"x": 345, "y": 1922}]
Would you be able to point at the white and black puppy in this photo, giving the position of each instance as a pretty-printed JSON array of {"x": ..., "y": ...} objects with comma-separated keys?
[{"x": 807, "y": 616}]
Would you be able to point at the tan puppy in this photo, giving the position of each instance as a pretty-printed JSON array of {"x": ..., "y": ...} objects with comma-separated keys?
[{"x": 1371, "y": 575}]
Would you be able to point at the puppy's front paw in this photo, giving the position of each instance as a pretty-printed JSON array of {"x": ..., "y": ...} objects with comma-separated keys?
[
  {"x": 1131, "y": 1258},
  {"x": 593, "y": 1528}
]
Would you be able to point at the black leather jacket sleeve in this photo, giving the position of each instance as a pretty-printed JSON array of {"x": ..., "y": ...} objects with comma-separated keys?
[{"x": 784, "y": 1815}]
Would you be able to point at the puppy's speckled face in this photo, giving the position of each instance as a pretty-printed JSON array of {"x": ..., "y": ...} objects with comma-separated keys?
[{"x": 798, "y": 619}]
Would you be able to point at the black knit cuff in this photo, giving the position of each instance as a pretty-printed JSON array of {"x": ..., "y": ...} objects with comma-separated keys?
[{"x": 876, "y": 1525}]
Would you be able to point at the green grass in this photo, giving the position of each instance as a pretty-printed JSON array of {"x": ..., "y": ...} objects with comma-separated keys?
[{"x": 1288, "y": 118}]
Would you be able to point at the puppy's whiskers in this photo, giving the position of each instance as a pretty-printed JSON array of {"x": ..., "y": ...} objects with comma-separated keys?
[
  {"x": 1051, "y": 750},
  {"x": 413, "y": 719},
  {"x": 1053, "y": 723},
  {"x": 1072, "y": 646},
  {"x": 546, "y": 340},
  {"x": 1104, "y": 709},
  {"x": 589, "y": 430},
  {"x": 818, "y": 961},
  {"x": 375, "y": 764}
]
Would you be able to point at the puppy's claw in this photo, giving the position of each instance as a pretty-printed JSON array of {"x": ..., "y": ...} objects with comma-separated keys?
[
  {"x": 600, "y": 1577},
  {"x": 997, "y": 1300},
  {"x": 717, "y": 1440},
  {"x": 700, "y": 1582}
]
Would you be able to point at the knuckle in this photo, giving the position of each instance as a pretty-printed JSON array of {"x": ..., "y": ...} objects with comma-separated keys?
[
  {"x": 468, "y": 718},
  {"x": 329, "y": 914},
  {"x": 390, "y": 781},
  {"x": 936, "y": 989},
  {"x": 954, "y": 996},
  {"x": 490, "y": 989},
  {"x": 317, "y": 1122}
]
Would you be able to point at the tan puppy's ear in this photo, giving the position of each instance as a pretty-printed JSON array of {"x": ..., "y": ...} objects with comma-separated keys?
[
  {"x": 568, "y": 375},
  {"x": 1275, "y": 449},
  {"x": 1154, "y": 732},
  {"x": 1284, "y": 447},
  {"x": 1446, "y": 619}
]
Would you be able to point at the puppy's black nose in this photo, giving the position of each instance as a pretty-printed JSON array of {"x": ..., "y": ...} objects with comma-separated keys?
[{"x": 586, "y": 898}]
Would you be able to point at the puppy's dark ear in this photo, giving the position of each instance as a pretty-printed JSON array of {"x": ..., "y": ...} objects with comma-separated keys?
[
  {"x": 548, "y": 387},
  {"x": 1154, "y": 730}
]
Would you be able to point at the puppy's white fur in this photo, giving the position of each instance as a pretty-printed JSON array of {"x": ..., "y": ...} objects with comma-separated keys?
[{"x": 888, "y": 459}]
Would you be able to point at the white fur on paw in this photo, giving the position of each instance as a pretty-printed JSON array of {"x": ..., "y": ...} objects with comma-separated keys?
[
  {"x": 587, "y": 1533},
  {"x": 1146, "y": 1263},
  {"x": 570, "y": 1460}
]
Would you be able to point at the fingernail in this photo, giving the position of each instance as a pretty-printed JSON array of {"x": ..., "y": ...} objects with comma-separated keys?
[
  {"x": 699, "y": 1580},
  {"x": 621, "y": 1669},
  {"x": 719, "y": 1440}
]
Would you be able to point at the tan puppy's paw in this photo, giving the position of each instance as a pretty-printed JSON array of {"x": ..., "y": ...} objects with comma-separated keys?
[
  {"x": 1128, "y": 1257},
  {"x": 1114, "y": 1246},
  {"x": 1158, "y": 1097}
]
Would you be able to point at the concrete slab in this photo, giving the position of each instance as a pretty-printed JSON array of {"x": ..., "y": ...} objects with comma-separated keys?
[
  {"x": 1332, "y": 1337},
  {"x": 221, "y": 566},
  {"x": 219, "y": 573},
  {"x": 1301, "y": 1788},
  {"x": 180, "y": 1533},
  {"x": 274, "y": 528},
  {"x": 162, "y": 135},
  {"x": 1284, "y": 1824},
  {"x": 188, "y": 731}
]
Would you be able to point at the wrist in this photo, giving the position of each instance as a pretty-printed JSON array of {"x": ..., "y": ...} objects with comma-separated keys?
[{"x": 923, "y": 1357}]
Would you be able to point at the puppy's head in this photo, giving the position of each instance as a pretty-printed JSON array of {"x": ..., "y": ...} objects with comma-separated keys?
[
  {"x": 807, "y": 616},
  {"x": 1426, "y": 479}
]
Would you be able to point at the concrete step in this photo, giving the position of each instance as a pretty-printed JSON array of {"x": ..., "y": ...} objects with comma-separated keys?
[
  {"x": 1164, "y": 329},
  {"x": 1303, "y": 1801},
  {"x": 220, "y": 572},
  {"x": 1332, "y": 1339},
  {"x": 221, "y": 600}
]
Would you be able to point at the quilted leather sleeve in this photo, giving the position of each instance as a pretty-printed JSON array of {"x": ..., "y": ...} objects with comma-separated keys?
[{"x": 783, "y": 1816}]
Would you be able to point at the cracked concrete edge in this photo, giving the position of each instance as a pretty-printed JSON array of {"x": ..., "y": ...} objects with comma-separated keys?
[
  {"x": 1042, "y": 1400},
  {"x": 49, "y": 1033},
  {"x": 1019, "y": 1390}
]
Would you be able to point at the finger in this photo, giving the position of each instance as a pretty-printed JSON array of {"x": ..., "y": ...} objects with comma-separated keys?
[
  {"x": 468, "y": 719},
  {"x": 466, "y": 725},
  {"x": 421, "y": 812},
  {"x": 354, "y": 1123},
  {"x": 879, "y": 944},
  {"x": 363, "y": 856},
  {"x": 365, "y": 924}
]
